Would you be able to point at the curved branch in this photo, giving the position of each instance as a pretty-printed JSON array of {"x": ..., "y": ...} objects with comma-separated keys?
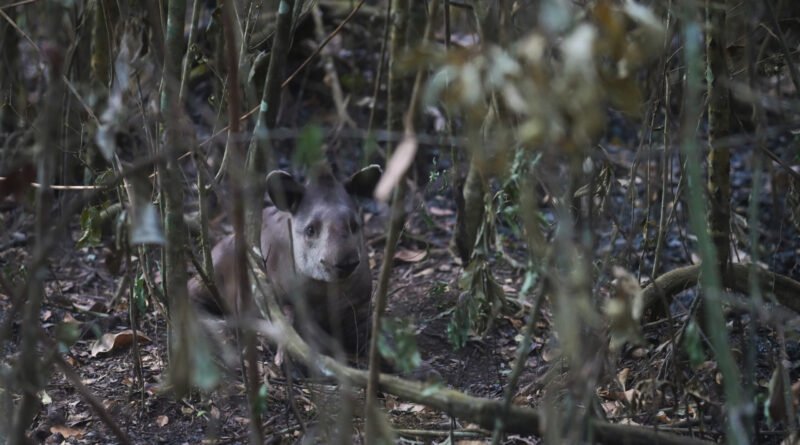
[{"x": 785, "y": 289}]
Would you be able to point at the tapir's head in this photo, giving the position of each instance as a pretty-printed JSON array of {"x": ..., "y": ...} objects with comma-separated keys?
[{"x": 326, "y": 226}]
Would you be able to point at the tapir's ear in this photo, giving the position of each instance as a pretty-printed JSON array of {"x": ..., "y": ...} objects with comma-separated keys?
[
  {"x": 284, "y": 191},
  {"x": 363, "y": 182}
]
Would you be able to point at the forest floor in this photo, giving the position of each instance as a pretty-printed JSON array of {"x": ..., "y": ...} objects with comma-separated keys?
[
  {"x": 80, "y": 289},
  {"x": 423, "y": 289}
]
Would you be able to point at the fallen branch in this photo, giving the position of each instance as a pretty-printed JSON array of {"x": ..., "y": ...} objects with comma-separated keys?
[
  {"x": 785, "y": 289},
  {"x": 518, "y": 419}
]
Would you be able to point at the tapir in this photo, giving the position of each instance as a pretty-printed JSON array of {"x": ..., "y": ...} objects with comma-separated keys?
[{"x": 314, "y": 250}]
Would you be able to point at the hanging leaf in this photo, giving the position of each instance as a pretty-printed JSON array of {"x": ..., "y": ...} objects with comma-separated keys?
[{"x": 92, "y": 225}]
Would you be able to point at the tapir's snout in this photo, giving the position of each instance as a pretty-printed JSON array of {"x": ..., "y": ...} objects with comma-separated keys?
[{"x": 345, "y": 269}]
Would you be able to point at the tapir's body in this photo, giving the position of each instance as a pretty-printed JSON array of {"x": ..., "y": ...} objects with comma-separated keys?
[
  {"x": 347, "y": 300},
  {"x": 314, "y": 252}
]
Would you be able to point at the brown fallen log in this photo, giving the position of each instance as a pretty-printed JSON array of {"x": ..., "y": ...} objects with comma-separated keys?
[{"x": 785, "y": 289}]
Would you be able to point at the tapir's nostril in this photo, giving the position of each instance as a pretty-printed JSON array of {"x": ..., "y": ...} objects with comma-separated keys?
[{"x": 347, "y": 268}]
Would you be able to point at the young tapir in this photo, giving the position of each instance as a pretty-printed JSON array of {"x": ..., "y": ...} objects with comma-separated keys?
[{"x": 314, "y": 249}]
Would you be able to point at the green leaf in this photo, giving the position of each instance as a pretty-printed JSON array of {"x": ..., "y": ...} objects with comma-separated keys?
[
  {"x": 438, "y": 289},
  {"x": 398, "y": 344},
  {"x": 431, "y": 389},
  {"x": 204, "y": 373},
  {"x": 140, "y": 294},
  {"x": 67, "y": 334},
  {"x": 531, "y": 278},
  {"x": 459, "y": 327},
  {"x": 261, "y": 399},
  {"x": 91, "y": 230},
  {"x": 693, "y": 345}
]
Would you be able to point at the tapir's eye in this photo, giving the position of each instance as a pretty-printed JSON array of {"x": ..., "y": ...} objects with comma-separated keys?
[
  {"x": 353, "y": 225},
  {"x": 310, "y": 230}
]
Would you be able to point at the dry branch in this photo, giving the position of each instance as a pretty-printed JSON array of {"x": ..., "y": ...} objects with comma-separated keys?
[
  {"x": 236, "y": 165},
  {"x": 785, "y": 289}
]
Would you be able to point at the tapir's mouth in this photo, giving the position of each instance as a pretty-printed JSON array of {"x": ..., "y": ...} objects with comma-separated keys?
[{"x": 343, "y": 269}]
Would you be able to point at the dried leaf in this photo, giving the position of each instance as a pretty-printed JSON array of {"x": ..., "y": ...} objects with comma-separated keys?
[
  {"x": 776, "y": 404},
  {"x": 66, "y": 431},
  {"x": 424, "y": 272},
  {"x": 631, "y": 396},
  {"x": 409, "y": 408},
  {"x": 438, "y": 211},
  {"x": 622, "y": 377},
  {"x": 410, "y": 255},
  {"x": 44, "y": 397},
  {"x": 97, "y": 307},
  {"x": 612, "y": 408},
  {"x": 115, "y": 342}
]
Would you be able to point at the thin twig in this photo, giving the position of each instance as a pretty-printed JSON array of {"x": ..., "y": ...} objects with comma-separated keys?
[
  {"x": 323, "y": 44},
  {"x": 381, "y": 64},
  {"x": 240, "y": 244},
  {"x": 23, "y": 2},
  {"x": 519, "y": 364}
]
